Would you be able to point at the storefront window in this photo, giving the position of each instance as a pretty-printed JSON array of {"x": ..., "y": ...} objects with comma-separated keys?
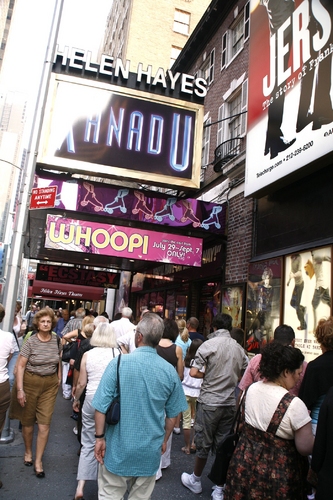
[{"x": 209, "y": 305}]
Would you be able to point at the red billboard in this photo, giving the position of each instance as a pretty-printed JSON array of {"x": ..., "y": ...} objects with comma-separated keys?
[{"x": 290, "y": 114}]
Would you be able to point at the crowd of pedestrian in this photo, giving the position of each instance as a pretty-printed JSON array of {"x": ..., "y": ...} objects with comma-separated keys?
[{"x": 171, "y": 379}]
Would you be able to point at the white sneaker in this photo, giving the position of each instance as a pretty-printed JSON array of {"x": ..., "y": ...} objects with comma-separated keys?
[
  {"x": 75, "y": 430},
  {"x": 176, "y": 430},
  {"x": 188, "y": 482},
  {"x": 217, "y": 494}
]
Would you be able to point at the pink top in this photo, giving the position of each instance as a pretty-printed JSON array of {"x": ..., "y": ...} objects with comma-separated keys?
[{"x": 252, "y": 374}]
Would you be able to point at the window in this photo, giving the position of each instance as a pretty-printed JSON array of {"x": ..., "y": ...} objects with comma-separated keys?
[
  {"x": 233, "y": 39},
  {"x": 207, "y": 69},
  {"x": 175, "y": 51},
  {"x": 232, "y": 116},
  {"x": 206, "y": 143},
  {"x": 181, "y": 23}
]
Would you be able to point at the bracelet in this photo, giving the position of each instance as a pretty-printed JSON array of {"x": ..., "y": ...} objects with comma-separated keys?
[
  {"x": 99, "y": 436},
  {"x": 20, "y": 390}
]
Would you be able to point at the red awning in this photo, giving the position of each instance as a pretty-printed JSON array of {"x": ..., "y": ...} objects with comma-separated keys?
[{"x": 66, "y": 291}]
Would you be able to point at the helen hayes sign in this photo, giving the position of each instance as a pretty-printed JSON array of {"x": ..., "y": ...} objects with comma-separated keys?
[
  {"x": 98, "y": 128},
  {"x": 290, "y": 116}
]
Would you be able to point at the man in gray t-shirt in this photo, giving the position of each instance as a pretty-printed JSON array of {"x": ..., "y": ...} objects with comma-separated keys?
[{"x": 220, "y": 361}]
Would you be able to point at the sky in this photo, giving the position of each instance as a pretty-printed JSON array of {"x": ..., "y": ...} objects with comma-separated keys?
[{"x": 82, "y": 26}]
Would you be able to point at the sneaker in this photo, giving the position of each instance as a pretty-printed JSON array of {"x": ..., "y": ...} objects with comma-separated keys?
[
  {"x": 176, "y": 430},
  {"x": 192, "y": 422},
  {"x": 217, "y": 494},
  {"x": 188, "y": 482},
  {"x": 75, "y": 430}
]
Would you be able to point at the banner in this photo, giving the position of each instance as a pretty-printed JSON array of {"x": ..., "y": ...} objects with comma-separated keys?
[
  {"x": 290, "y": 115},
  {"x": 105, "y": 239},
  {"x": 77, "y": 276},
  {"x": 137, "y": 205}
]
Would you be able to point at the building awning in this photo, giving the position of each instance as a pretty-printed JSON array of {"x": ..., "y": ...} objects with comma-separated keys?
[{"x": 59, "y": 291}]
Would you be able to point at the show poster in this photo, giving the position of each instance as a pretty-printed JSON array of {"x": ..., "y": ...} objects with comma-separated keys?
[
  {"x": 307, "y": 296},
  {"x": 290, "y": 115},
  {"x": 263, "y": 302},
  {"x": 126, "y": 242}
]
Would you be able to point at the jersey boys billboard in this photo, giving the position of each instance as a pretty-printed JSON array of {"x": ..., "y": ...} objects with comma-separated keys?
[
  {"x": 290, "y": 116},
  {"x": 100, "y": 129},
  {"x": 105, "y": 239}
]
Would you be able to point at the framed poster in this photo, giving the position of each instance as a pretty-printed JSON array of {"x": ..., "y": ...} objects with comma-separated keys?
[
  {"x": 232, "y": 303},
  {"x": 307, "y": 293},
  {"x": 263, "y": 302}
]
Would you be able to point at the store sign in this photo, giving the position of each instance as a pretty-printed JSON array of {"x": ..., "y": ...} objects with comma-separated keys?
[
  {"x": 77, "y": 276},
  {"x": 100, "y": 129},
  {"x": 290, "y": 115},
  {"x": 105, "y": 239}
]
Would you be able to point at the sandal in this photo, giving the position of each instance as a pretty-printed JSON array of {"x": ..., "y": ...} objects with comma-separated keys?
[
  {"x": 185, "y": 450},
  {"x": 28, "y": 463},
  {"x": 193, "y": 449}
]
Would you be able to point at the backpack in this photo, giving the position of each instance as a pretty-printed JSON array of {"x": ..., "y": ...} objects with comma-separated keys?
[{"x": 33, "y": 332}]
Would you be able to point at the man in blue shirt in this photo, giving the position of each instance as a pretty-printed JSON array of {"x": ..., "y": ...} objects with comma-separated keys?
[{"x": 151, "y": 397}]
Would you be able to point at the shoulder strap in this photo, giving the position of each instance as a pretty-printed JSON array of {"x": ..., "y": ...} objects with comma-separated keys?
[
  {"x": 58, "y": 339},
  {"x": 118, "y": 385},
  {"x": 28, "y": 335},
  {"x": 279, "y": 413}
]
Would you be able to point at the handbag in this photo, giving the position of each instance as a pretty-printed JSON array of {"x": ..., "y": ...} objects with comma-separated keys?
[
  {"x": 226, "y": 448},
  {"x": 112, "y": 415},
  {"x": 69, "y": 351}
]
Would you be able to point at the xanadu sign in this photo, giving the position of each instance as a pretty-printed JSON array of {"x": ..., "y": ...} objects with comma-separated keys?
[
  {"x": 105, "y": 239},
  {"x": 97, "y": 128}
]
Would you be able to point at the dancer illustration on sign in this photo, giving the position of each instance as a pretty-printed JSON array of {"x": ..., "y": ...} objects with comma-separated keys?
[
  {"x": 90, "y": 197},
  {"x": 321, "y": 293},
  {"x": 261, "y": 326},
  {"x": 166, "y": 210},
  {"x": 118, "y": 202},
  {"x": 141, "y": 206},
  {"x": 315, "y": 103},
  {"x": 189, "y": 214},
  {"x": 295, "y": 302},
  {"x": 278, "y": 12},
  {"x": 213, "y": 219}
]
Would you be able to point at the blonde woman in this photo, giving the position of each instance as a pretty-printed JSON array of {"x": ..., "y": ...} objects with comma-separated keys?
[
  {"x": 183, "y": 339},
  {"x": 93, "y": 364}
]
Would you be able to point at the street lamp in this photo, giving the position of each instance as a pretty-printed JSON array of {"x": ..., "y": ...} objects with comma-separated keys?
[{"x": 14, "y": 266}]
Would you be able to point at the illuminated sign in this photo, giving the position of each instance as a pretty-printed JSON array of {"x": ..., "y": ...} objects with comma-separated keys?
[
  {"x": 105, "y": 239},
  {"x": 290, "y": 116},
  {"x": 99, "y": 129},
  {"x": 114, "y": 69},
  {"x": 77, "y": 276}
]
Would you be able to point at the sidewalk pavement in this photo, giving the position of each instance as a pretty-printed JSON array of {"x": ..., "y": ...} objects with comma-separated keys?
[{"x": 60, "y": 464}]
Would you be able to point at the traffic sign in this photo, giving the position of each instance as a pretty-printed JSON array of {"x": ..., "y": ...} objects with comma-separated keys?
[{"x": 43, "y": 197}]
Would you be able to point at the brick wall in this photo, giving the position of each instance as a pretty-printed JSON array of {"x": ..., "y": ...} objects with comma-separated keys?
[{"x": 240, "y": 222}]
